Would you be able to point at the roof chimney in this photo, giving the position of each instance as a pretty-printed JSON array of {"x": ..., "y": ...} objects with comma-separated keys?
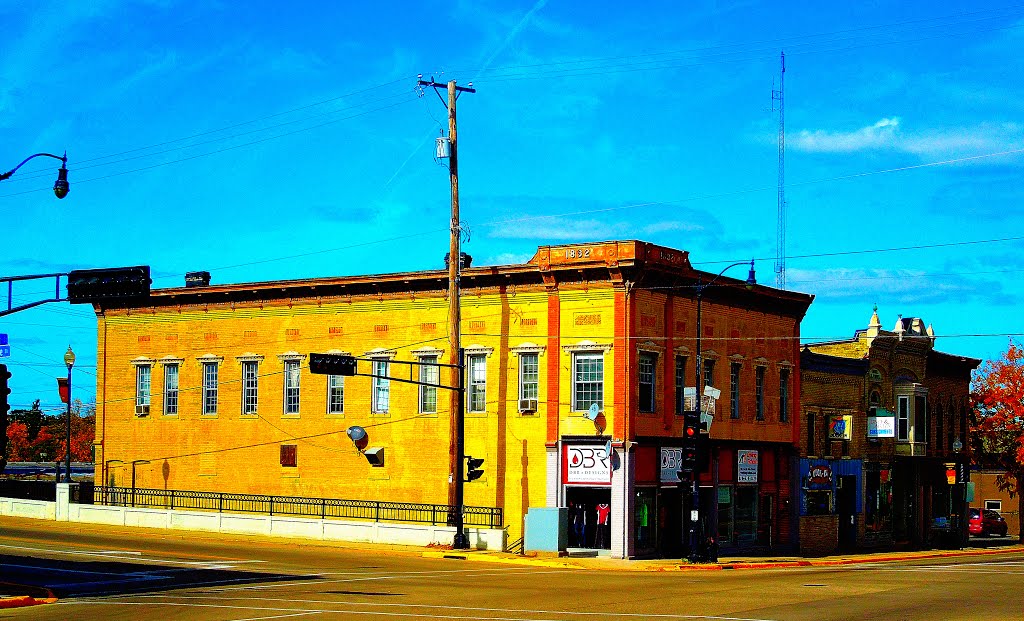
[{"x": 197, "y": 279}]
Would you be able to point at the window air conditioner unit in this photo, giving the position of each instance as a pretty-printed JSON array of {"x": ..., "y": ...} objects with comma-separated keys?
[
  {"x": 141, "y": 410},
  {"x": 527, "y": 405}
]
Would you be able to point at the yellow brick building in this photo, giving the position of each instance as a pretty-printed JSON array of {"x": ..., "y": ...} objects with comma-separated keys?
[{"x": 208, "y": 388}]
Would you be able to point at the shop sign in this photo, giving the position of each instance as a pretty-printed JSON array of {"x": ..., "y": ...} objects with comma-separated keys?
[
  {"x": 951, "y": 474},
  {"x": 840, "y": 428},
  {"x": 586, "y": 464},
  {"x": 746, "y": 471},
  {"x": 671, "y": 463},
  {"x": 819, "y": 476},
  {"x": 882, "y": 426}
]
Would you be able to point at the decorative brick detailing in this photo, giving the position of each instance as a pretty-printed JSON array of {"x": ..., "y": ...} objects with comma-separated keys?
[
  {"x": 291, "y": 334},
  {"x": 528, "y": 322},
  {"x": 249, "y": 334},
  {"x": 381, "y": 328},
  {"x": 429, "y": 326},
  {"x": 477, "y": 325},
  {"x": 144, "y": 339},
  {"x": 648, "y": 321},
  {"x": 681, "y": 327},
  {"x": 172, "y": 337},
  {"x": 587, "y": 320},
  {"x": 210, "y": 336},
  {"x": 335, "y": 331}
]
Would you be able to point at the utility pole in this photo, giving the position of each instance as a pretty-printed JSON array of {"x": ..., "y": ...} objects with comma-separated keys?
[
  {"x": 780, "y": 242},
  {"x": 456, "y": 447}
]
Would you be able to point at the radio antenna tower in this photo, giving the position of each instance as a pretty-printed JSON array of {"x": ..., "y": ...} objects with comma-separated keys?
[{"x": 780, "y": 240}]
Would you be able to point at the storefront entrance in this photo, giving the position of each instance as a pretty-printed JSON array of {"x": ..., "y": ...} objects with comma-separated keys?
[{"x": 589, "y": 513}]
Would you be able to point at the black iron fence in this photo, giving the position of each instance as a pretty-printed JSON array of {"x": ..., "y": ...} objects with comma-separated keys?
[{"x": 373, "y": 510}]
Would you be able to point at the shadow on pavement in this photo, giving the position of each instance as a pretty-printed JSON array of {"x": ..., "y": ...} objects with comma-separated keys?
[
  {"x": 993, "y": 542},
  {"x": 86, "y": 578}
]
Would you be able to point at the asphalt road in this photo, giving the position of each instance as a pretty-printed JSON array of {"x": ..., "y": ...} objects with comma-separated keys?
[{"x": 138, "y": 574}]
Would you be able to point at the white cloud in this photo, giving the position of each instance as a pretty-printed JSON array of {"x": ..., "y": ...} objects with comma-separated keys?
[{"x": 889, "y": 134}]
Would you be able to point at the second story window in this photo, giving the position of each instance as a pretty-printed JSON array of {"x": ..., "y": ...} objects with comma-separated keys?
[
  {"x": 587, "y": 381},
  {"x": 477, "y": 371},
  {"x": 381, "y": 397},
  {"x": 335, "y": 394},
  {"x": 291, "y": 386},
  {"x": 734, "y": 389},
  {"x": 171, "y": 389},
  {"x": 210, "y": 388},
  {"x": 759, "y": 391},
  {"x": 680, "y": 384},
  {"x": 811, "y": 448},
  {"x": 529, "y": 376},
  {"x": 250, "y": 386},
  {"x": 784, "y": 395},
  {"x": 647, "y": 364},
  {"x": 430, "y": 373},
  {"x": 142, "y": 389},
  {"x": 709, "y": 372},
  {"x": 903, "y": 418}
]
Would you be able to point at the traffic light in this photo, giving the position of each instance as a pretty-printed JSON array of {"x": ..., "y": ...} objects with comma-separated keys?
[
  {"x": 691, "y": 440},
  {"x": 332, "y": 364},
  {"x": 473, "y": 470},
  {"x": 116, "y": 283},
  {"x": 4, "y": 390}
]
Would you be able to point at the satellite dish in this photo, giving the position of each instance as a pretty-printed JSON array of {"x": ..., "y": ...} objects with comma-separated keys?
[
  {"x": 592, "y": 413},
  {"x": 358, "y": 436}
]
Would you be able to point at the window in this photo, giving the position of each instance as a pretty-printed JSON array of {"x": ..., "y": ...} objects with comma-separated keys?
[
  {"x": 335, "y": 394},
  {"x": 709, "y": 372},
  {"x": 143, "y": 389},
  {"x": 210, "y": 388},
  {"x": 647, "y": 365},
  {"x": 477, "y": 367},
  {"x": 431, "y": 374},
  {"x": 903, "y": 419},
  {"x": 811, "y": 448},
  {"x": 289, "y": 455},
  {"x": 529, "y": 376},
  {"x": 291, "y": 386},
  {"x": 680, "y": 384},
  {"x": 381, "y": 386},
  {"x": 734, "y": 389},
  {"x": 250, "y": 386},
  {"x": 759, "y": 391},
  {"x": 920, "y": 418},
  {"x": 938, "y": 431},
  {"x": 783, "y": 395},
  {"x": 170, "y": 389},
  {"x": 587, "y": 381}
]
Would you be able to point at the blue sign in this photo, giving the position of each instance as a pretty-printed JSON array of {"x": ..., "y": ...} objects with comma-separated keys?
[{"x": 5, "y": 349}]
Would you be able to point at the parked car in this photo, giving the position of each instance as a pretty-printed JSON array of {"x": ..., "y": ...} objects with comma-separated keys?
[{"x": 985, "y": 522}]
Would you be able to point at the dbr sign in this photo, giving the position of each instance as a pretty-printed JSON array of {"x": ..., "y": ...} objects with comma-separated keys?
[
  {"x": 5, "y": 348},
  {"x": 586, "y": 464}
]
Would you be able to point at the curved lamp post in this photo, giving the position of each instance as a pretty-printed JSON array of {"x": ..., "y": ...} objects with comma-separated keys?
[
  {"x": 61, "y": 186},
  {"x": 69, "y": 359},
  {"x": 697, "y": 553}
]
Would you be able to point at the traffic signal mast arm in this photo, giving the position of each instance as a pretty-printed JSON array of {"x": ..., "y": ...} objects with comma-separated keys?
[
  {"x": 86, "y": 286},
  {"x": 341, "y": 364},
  {"x": 10, "y": 280}
]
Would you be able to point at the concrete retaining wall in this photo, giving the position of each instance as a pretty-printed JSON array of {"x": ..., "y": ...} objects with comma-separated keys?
[{"x": 251, "y": 524}]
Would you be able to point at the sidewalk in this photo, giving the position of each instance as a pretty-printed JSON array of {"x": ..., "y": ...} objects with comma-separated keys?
[{"x": 725, "y": 563}]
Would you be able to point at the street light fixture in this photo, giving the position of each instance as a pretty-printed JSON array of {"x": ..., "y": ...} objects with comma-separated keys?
[
  {"x": 69, "y": 359},
  {"x": 61, "y": 187},
  {"x": 697, "y": 554}
]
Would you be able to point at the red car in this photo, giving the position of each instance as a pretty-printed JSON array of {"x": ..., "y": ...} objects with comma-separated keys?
[{"x": 985, "y": 522}]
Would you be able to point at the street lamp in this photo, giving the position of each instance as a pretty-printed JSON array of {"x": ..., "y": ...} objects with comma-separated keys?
[
  {"x": 69, "y": 359},
  {"x": 61, "y": 186},
  {"x": 695, "y": 522}
]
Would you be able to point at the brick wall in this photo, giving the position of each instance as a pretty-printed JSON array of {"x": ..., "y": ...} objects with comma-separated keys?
[{"x": 819, "y": 535}]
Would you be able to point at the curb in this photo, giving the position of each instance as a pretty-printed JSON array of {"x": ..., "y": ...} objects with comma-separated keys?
[{"x": 486, "y": 557}]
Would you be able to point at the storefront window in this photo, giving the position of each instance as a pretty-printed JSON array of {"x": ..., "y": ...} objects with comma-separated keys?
[
  {"x": 725, "y": 514},
  {"x": 819, "y": 502},
  {"x": 745, "y": 529},
  {"x": 878, "y": 505},
  {"x": 646, "y": 518}
]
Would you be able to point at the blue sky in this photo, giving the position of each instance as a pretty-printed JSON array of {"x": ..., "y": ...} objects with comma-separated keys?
[{"x": 288, "y": 141}]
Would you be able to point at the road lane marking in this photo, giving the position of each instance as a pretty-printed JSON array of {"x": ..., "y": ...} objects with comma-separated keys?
[{"x": 135, "y": 556}]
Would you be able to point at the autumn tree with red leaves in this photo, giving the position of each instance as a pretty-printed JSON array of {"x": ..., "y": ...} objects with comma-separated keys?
[{"x": 998, "y": 430}]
